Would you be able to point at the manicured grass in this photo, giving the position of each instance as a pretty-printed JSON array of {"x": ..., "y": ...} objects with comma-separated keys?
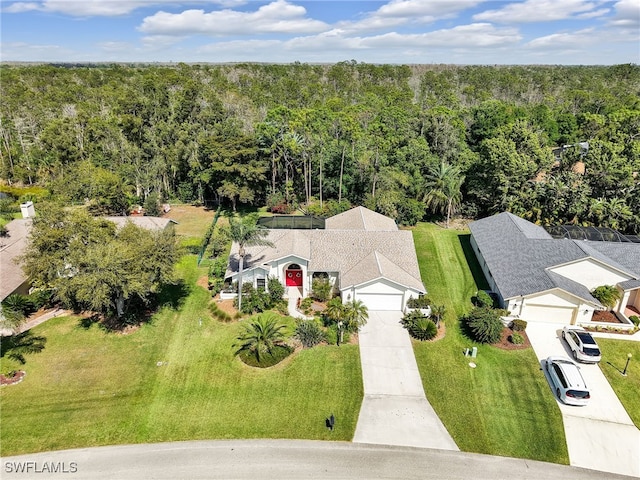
[
  {"x": 614, "y": 359},
  {"x": 501, "y": 407},
  {"x": 89, "y": 387}
]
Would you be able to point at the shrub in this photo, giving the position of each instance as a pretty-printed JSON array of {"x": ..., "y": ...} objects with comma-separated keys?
[
  {"x": 516, "y": 339},
  {"x": 305, "y": 305},
  {"x": 309, "y": 333},
  {"x": 219, "y": 314},
  {"x": 635, "y": 319},
  {"x": 607, "y": 295},
  {"x": 321, "y": 289},
  {"x": 152, "y": 205},
  {"x": 484, "y": 324},
  {"x": 421, "y": 302},
  {"x": 419, "y": 326},
  {"x": 519, "y": 325},
  {"x": 19, "y": 303},
  {"x": 423, "y": 329},
  {"x": 483, "y": 299},
  {"x": 254, "y": 300},
  {"x": 276, "y": 290}
]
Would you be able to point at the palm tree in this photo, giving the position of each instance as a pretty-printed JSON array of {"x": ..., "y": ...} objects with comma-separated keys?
[
  {"x": 247, "y": 233},
  {"x": 348, "y": 316},
  {"x": 443, "y": 189},
  {"x": 261, "y": 336}
]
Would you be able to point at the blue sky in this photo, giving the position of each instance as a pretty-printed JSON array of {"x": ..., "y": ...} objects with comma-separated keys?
[{"x": 283, "y": 31}]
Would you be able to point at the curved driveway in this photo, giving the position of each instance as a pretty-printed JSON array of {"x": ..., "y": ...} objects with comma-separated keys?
[{"x": 282, "y": 460}]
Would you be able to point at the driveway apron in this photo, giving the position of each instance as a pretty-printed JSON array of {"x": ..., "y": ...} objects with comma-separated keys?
[
  {"x": 600, "y": 435},
  {"x": 395, "y": 410}
]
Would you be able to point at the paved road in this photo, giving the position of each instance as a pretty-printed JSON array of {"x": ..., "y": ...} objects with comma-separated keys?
[
  {"x": 283, "y": 460},
  {"x": 600, "y": 435},
  {"x": 395, "y": 410}
]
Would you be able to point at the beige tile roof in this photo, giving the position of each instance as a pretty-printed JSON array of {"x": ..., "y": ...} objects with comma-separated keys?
[
  {"x": 375, "y": 266},
  {"x": 360, "y": 218},
  {"x": 11, "y": 247},
  {"x": 342, "y": 250},
  {"x": 358, "y": 256}
]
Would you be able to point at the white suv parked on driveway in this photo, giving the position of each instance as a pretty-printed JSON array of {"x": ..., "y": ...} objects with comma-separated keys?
[
  {"x": 584, "y": 347},
  {"x": 567, "y": 381}
]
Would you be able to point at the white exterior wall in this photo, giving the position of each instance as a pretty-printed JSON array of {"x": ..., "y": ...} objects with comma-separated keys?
[
  {"x": 486, "y": 271},
  {"x": 590, "y": 273},
  {"x": 278, "y": 267},
  {"x": 251, "y": 276},
  {"x": 554, "y": 298},
  {"x": 382, "y": 287}
]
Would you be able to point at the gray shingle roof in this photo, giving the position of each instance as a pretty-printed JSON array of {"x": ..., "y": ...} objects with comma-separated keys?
[{"x": 518, "y": 254}]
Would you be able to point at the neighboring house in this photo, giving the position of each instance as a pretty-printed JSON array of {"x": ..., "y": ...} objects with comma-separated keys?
[
  {"x": 362, "y": 253},
  {"x": 13, "y": 245},
  {"x": 539, "y": 278}
]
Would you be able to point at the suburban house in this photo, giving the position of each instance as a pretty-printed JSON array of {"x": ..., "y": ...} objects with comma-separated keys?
[
  {"x": 14, "y": 243},
  {"x": 362, "y": 253},
  {"x": 540, "y": 278}
]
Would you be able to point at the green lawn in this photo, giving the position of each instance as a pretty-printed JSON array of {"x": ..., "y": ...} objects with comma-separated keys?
[
  {"x": 502, "y": 407},
  {"x": 92, "y": 388},
  {"x": 614, "y": 359}
]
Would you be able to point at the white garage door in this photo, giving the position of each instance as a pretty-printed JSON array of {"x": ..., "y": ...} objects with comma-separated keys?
[
  {"x": 381, "y": 301},
  {"x": 545, "y": 313}
]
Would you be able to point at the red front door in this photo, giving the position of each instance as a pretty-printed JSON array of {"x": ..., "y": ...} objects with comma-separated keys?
[{"x": 294, "y": 278}]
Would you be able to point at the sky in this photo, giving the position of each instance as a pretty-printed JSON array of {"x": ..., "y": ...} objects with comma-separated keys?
[{"x": 569, "y": 32}]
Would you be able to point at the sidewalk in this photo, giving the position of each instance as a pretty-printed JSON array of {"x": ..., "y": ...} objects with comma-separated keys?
[{"x": 395, "y": 410}]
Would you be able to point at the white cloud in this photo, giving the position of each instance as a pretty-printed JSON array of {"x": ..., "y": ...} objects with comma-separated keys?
[
  {"x": 538, "y": 11},
  {"x": 277, "y": 17},
  {"x": 479, "y": 35},
  {"x": 100, "y": 8},
  {"x": 627, "y": 14},
  {"x": 565, "y": 40},
  {"x": 403, "y": 12},
  {"x": 20, "y": 7}
]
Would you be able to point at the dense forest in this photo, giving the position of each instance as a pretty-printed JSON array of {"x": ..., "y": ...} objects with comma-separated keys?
[{"x": 553, "y": 144}]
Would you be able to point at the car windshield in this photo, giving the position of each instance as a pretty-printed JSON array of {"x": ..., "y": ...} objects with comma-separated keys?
[
  {"x": 578, "y": 394},
  {"x": 586, "y": 338}
]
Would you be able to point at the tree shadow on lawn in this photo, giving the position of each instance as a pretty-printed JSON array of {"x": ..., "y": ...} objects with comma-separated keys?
[
  {"x": 472, "y": 262},
  {"x": 17, "y": 346},
  {"x": 139, "y": 312},
  {"x": 173, "y": 295}
]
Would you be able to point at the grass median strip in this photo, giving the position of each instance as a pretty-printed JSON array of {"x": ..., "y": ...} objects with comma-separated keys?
[{"x": 501, "y": 407}]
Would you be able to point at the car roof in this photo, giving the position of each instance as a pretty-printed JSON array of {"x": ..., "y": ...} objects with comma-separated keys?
[
  {"x": 586, "y": 338},
  {"x": 571, "y": 372}
]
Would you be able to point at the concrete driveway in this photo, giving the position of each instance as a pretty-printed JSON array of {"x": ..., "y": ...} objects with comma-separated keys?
[
  {"x": 600, "y": 435},
  {"x": 395, "y": 410}
]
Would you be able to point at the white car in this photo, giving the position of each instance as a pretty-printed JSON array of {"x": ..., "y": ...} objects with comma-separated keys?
[
  {"x": 567, "y": 381},
  {"x": 584, "y": 347}
]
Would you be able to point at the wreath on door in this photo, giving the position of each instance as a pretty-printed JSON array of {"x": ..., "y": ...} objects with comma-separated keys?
[
  {"x": 290, "y": 275},
  {"x": 298, "y": 275}
]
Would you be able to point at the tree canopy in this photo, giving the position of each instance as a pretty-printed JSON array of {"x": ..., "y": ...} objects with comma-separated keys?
[
  {"x": 92, "y": 265},
  {"x": 303, "y": 135}
]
